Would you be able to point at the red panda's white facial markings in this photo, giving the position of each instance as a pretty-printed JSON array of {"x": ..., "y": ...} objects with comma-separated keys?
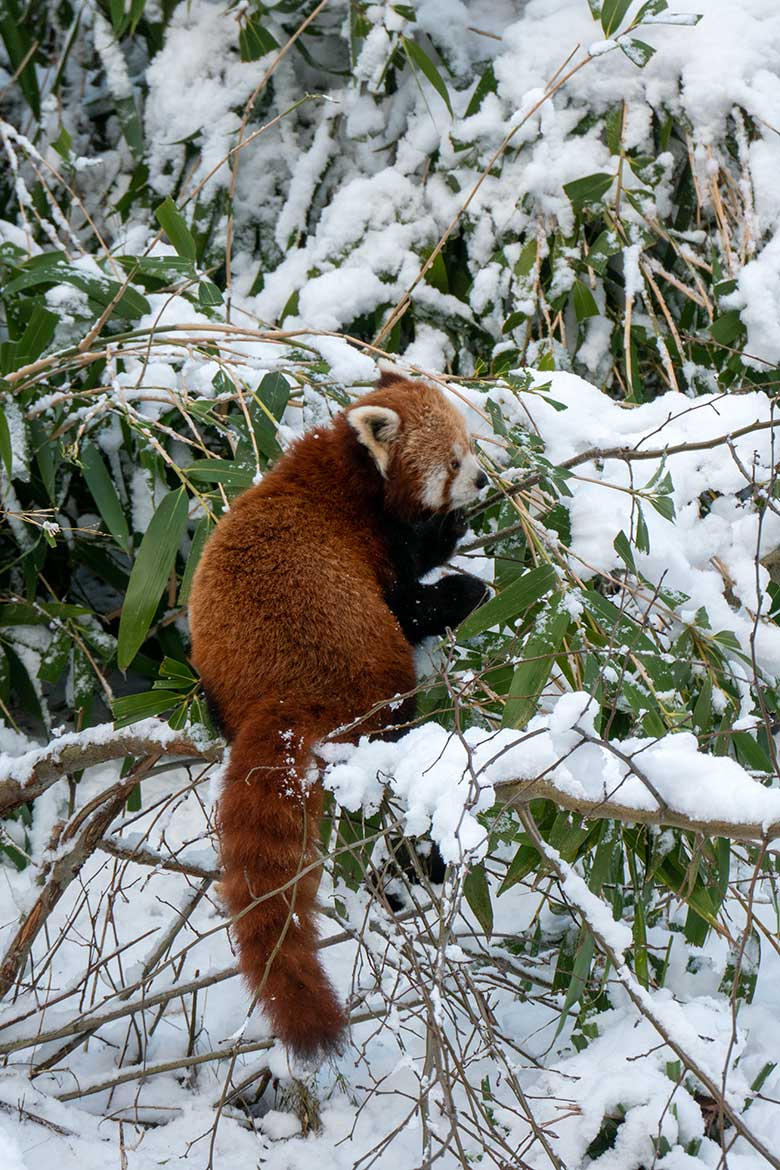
[
  {"x": 468, "y": 481},
  {"x": 434, "y": 489}
]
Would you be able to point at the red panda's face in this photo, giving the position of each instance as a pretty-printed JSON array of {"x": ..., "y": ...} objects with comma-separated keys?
[{"x": 420, "y": 445}]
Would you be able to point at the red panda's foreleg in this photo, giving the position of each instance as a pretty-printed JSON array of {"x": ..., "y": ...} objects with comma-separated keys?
[{"x": 425, "y": 611}]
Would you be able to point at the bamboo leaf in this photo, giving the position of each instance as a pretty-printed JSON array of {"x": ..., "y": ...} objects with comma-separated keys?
[
  {"x": 477, "y": 893},
  {"x": 202, "y": 530},
  {"x": 486, "y": 84},
  {"x": 225, "y": 471},
  {"x": 105, "y": 495},
  {"x": 254, "y": 41},
  {"x": 37, "y": 335},
  {"x": 584, "y": 301},
  {"x": 580, "y": 972},
  {"x": 510, "y": 603},
  {"x": 130, "y": 708},
  {"x": 172, "y": 222},
  {"x": 539, "y": 654},
  {"x": 639, "y": 52},
  {"x": 266, "y": 409},
  {"x": 150, "y": 572},
  {"x": 612, "y": 13},
  {"x": 525, "y": 860},
  {"x": 591, "y": 189},
  {"x": 419, "y": 58},
  {"x": 21, "y": 50}
]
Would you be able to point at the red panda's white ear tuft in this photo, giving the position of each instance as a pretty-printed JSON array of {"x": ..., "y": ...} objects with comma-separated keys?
[{"x": 376, "y": 427}]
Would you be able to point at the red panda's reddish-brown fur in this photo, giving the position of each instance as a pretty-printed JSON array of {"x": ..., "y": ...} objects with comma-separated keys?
[{"x": 293, "y": 638}]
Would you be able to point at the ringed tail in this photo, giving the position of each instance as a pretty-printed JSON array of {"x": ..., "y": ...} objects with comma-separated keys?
[{"x": 269, "y": 815}]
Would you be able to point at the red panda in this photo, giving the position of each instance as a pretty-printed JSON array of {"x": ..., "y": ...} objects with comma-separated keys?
[{"x": 305, "y": 609}]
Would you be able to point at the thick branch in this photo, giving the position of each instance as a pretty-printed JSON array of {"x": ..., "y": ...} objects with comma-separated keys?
[
  {"x": 519, "y": 793},
  {"x": 24, "y": 778}
]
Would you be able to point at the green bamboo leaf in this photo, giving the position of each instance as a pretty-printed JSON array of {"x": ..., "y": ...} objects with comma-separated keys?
[
  {"x": 758, "y": 1083},
  {"x": 418, "y": 57},
  {"x": 172, "y": 222},
  {"x": 44, "y": 450},
  {"x": 130, "y": 708},
  {"x": 702, "y": 714},
  {"x": 513, "y": 320},
  {"x": 208, "y": 294},
  {"x": 55, "y": 657},
  {"x": 21, "y": 613},
  {"x": 578, "y": 981},
  {"x": 37, "y": 335},
  {"x": 568, "y": 834},
  {"x": 612, "y": 13},
  {"x": 132, "y": 130},
  {"x": 254, "y": 41},
  {"x": 486, "y": 84},
  {"x": 202, "y": 530},
  {"x": 584, "y": 301},
  {"x": 225, "y": 471},
  {"x": 623, "y": 549},
  {"x": 650, "y": 8},
  {"x": 750, "y": 753},
  {"x": 510, "y": 603},
  {"x": 539, "y": 655},
  {"x": 21, "y": 50},
  {"x": 180, "y": 673},
  {"x": 664, "y": 506},
  {"x": 136, "y": 12},
  {"x": 50, "y": 269},
  {"x": 165, "y": 268},
  {"x": 149, "y": 576},
  {"x": 266, "y": 409},
  {"x": 104, "y": 494},
  {"x": 727, "y": 328},
  {"x": 116, "y": 10},
  {"x": 642, "y": 535},
  {"x": 525, "y": 861},
  {"x": 606, "y": 245},
  {"x": 591, "y": 189},
  {"x": 21, "y": 686},
  {"x": 638, "y": 52},
  {"x": 477, "y": 894},
  {"x": 639, "y": 932}
]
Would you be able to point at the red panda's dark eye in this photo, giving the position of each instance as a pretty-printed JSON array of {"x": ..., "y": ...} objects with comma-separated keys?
[{"x": 455, "y": 464}]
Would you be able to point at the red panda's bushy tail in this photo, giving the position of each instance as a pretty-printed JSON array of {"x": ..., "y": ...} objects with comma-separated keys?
[{"x": 269, "y": 815}]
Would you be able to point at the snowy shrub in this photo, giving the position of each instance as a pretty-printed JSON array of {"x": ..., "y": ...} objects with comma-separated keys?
[{"x": 214, "y": 222}]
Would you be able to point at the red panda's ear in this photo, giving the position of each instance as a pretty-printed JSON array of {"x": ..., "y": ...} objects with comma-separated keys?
[{"x": 376, "y": 428}]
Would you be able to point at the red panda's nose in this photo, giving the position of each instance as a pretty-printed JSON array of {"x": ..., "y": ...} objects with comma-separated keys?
[{"x": 480, "y": 481}]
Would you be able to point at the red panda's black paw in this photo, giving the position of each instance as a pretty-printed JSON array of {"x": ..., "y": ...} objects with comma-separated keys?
[
  {"x": 461, "y": 593},
  {"x": 456, "y": 523},
  {"x": 449, "y": 529}
]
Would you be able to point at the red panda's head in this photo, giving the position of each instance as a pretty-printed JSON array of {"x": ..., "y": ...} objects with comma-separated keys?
[{"x": 420, "y": 445}]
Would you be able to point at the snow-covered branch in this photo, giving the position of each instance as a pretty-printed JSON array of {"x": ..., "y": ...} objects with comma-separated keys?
[{"x": 25, "y": 777}]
